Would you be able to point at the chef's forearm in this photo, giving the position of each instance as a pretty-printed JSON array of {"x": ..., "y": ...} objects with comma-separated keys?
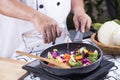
[
  {"x": 77, "y": 6},
  {"x": 16, "y": 9}
]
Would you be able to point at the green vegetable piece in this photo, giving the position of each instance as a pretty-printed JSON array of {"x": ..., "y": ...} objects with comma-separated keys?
[
  {"x": 91, "y": 59},
  {"x": 94, "y": 55},
  {"x": 50, "y": 56},
  {"x": 74, "y": 64}
]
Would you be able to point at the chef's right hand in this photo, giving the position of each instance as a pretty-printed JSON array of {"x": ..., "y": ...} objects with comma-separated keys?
[{"x": 48, "y": 27}]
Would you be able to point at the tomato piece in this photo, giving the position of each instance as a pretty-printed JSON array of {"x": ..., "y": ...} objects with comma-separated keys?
[{"x": 67, "y": 56}]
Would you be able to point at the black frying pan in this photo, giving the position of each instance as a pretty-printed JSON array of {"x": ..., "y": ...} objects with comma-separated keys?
[{"x": 75, "y": 70}]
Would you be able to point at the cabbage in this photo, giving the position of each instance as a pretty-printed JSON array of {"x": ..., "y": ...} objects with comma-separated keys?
[
  {"x": 116, "y": 36},
  {"x": 117, "y": 21},
  {"x": 105, "y": 32},
  {"x": 54, "y": 54},
  {"x": 84, "y": 61}
]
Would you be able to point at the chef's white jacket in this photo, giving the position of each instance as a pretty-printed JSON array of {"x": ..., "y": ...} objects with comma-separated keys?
[{"x": 11, "y": 29}]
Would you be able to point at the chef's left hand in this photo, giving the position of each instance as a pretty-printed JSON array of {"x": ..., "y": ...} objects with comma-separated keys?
[{"x": 82, "y": 21}]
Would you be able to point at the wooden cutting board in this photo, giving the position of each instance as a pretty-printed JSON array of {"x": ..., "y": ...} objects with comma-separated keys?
[{"x": 11, "y": 69}]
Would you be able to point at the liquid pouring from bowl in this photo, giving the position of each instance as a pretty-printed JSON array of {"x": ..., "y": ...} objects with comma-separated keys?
[{"x": 58, "y": 64}]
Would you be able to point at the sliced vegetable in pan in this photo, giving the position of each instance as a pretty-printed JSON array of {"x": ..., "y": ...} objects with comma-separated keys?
[{"x": 78, "y": 57}]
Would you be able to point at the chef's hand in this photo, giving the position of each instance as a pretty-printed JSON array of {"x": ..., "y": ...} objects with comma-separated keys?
[
  {"x": 48, "y": 27},
  {"x": 82, "y": 21}
]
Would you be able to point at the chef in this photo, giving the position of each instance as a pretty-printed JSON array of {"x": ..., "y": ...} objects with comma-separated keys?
[{"x": 48, "y": 17}]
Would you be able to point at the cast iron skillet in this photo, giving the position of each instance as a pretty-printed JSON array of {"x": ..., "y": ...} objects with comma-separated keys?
[{"x": 62, "y": 48}]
